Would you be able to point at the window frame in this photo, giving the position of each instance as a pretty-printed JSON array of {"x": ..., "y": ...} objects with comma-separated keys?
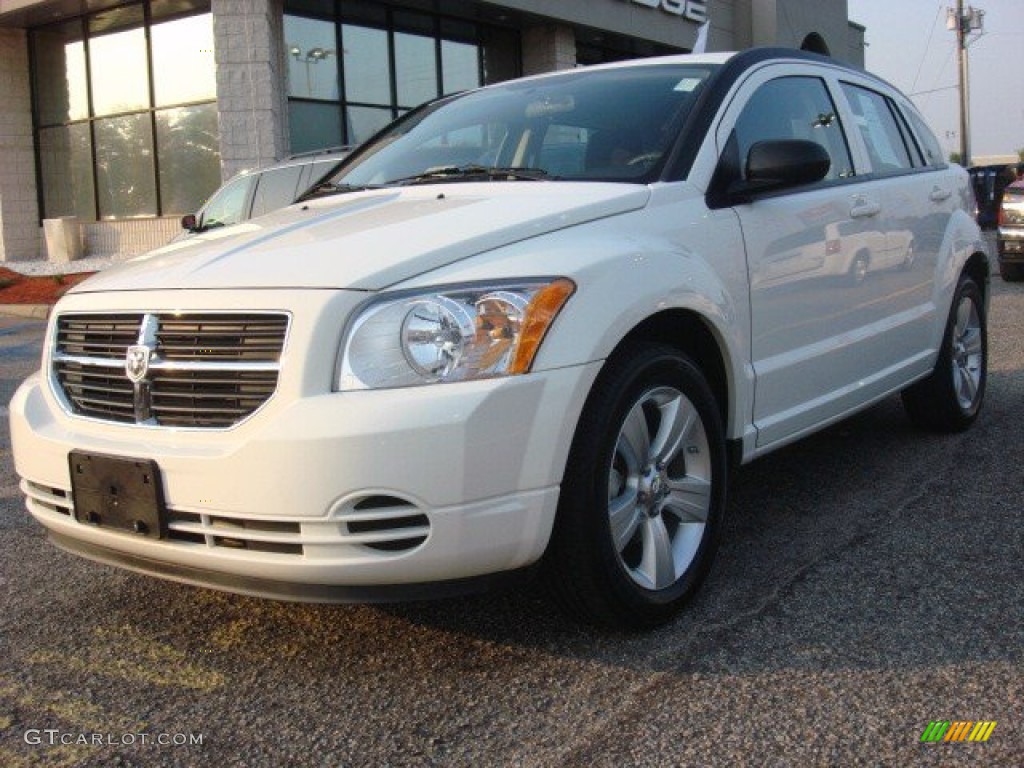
[
  {"x": 385, "y": 20},
  {"x": 151, "y": 111}
]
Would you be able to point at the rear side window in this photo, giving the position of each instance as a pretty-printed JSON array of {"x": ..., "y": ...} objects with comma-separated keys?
[
  {"x": 929, "y": 144},
  {"x": 794, "y": 108},
  {"x": 877, "y": 124},
  {"x": 276, "y": 189}
]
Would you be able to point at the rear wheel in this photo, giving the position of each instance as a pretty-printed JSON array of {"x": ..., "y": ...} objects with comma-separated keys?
[
  {"x": 643, "y": 494},
  {"x": 950, "y": 398}
]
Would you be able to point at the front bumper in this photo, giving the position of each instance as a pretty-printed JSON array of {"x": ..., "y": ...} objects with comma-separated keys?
[{"x": 323, "y": 495}]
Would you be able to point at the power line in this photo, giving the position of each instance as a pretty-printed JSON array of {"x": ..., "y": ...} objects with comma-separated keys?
[
  {"x": 927, "y": 46},
  {"x": 933, "y": 90}
]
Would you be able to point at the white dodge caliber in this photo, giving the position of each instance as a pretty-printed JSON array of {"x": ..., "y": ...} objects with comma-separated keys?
[{"x": 529, "y": 327}]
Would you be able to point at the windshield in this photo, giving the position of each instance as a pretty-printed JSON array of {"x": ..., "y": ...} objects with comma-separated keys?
[{"x": 593, "y": 125}]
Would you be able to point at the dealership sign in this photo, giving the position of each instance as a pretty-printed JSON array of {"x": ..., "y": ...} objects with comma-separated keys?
[{"x": 694, "y": 10}]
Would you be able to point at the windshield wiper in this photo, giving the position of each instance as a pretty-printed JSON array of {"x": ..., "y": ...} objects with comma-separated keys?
[
  {"x": 332, "y": 188},
  {"x": 471, "y": 172}
]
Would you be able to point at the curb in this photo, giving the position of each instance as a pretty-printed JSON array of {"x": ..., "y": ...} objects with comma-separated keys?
[{"x": 30, "y": 311}]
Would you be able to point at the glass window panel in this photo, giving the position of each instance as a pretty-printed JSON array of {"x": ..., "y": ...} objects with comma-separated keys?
[
  {"x": 366, "y": 12},
  {"x": 881, "y": 134},
  {"x": 414, "y": 22},
  {"x": 363, "y": 122},
  {"x": 929, "y": 144},
  {"x": 124, "y": 167},
  {"x": 500, "y": 54},
  {"x": 165, "y": 9},
  {"x": 117, "y": 62},
  {"x": 312, "y": 58},
  {"x": 183, "y": 66},
  {"x": 65, "y": 164},
  {"x": 314, "y": 126},
  {"x": 460, "y": 65},
  {"x": 324, "y": 8},
  {"x": 415, "y": 69},
  {"x": 276, "y": 189},
  {"x": 463, "y": 31},
  {"x": 59, "y": 67},
  {"x": 367, "y": 72},
  {"x": 795, "y": 108},
  {"x": 229, "y": 205},
  {"x": 189, "y": 153}
]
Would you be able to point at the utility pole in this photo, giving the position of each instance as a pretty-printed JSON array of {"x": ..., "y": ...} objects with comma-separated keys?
[{"x": 964, "y": 23}]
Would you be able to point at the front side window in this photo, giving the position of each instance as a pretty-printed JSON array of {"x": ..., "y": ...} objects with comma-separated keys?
[
  {"x": 228, "y": 206},
  {"x": 794, "y": 108},
  {"x": 614, "y": 125}
]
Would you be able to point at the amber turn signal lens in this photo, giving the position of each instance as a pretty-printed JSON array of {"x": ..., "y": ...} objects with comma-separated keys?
[{"x": 540, "y": 313}]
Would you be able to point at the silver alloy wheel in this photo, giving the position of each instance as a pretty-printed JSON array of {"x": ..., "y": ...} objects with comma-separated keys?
[
  {"x": 659, "y": 488},
  {"x": 968, "y": 356}
]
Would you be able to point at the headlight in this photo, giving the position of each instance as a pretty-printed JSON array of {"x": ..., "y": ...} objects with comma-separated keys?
[{"x": 454, "y": 334}]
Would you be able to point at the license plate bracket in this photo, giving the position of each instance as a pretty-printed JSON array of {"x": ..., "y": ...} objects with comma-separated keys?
[{"x": 118, "y": 493}]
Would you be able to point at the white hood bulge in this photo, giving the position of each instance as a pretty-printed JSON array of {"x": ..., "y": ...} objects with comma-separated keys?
[{"x": 369, "y": 240}]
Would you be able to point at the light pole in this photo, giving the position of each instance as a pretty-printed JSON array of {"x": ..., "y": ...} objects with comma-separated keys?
[{"x": 964, "y": 22}]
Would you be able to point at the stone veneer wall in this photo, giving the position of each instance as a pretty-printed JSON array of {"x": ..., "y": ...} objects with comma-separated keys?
[
  {"x": 128, "y": 237},
  {"x": 251, "y": 100},
  {"x": 19, "y": 207}
]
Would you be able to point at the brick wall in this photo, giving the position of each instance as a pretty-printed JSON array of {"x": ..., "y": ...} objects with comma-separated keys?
[{"x": 19, "y": 211}]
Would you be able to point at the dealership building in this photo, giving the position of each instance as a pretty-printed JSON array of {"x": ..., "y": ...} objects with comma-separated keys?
[{"x": 120, "y": 116}]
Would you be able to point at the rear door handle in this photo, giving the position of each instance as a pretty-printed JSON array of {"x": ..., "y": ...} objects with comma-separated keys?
[
  {"x": 863, "y": 208},
  {"x": 939, "y": 194}
]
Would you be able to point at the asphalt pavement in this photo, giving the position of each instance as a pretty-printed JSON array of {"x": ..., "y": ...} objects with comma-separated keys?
[{"x": 869, "y": 583}]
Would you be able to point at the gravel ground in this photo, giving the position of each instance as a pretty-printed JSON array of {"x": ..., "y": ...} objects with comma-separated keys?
[
  {"x": 869, "y": 582},
  {"x": 43, "y": 267}
]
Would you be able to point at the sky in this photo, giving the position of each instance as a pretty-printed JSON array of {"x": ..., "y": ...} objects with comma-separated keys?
[{"x": 909, "y": 45}]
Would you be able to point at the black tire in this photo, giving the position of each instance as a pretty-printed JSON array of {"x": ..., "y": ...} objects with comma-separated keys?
[
  {"x": 1011, "y": 273},
  {"x": 597, "y": 579},
  {"x": 950, "y": 398}
]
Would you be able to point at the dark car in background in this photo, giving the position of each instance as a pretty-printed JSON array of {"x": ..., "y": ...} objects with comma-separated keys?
[
  {"x": 252, "y": 193},
  {"x": 988, "y": 182}
]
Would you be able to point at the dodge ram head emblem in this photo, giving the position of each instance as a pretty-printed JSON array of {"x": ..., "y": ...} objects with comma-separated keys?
[{"x": 136, "y": 362}]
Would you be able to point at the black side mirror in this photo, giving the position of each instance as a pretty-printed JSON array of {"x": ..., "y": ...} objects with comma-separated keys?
[
  {"x": 787, "y": 163},
  {"x": 772, "y": 166},
  {"x": 188, "y": 221}
]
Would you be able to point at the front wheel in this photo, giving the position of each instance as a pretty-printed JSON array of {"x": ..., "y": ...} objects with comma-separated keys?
[
  {"x": 643, "y": 494},
  {"x": 950, "y": 398}
]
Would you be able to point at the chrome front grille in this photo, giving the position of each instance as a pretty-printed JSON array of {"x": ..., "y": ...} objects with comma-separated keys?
[{"x": 205, "y": 370}]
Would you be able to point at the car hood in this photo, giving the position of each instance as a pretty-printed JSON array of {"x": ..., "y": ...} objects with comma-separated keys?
[{"x": 369, "y": 240}]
